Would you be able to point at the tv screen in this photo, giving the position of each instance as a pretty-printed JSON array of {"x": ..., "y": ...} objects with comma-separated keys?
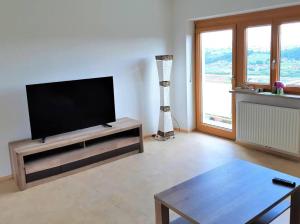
[{"x": 60, "y": 107}]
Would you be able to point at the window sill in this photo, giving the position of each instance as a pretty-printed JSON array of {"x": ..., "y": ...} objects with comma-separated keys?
[{"x": 269, "y": 94}]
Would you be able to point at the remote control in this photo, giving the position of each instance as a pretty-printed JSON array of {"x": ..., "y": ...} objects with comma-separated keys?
[{"x": 284, "y": 182}]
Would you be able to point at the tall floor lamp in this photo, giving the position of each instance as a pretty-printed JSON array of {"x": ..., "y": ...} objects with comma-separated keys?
[{"x": 164, "y": 67}]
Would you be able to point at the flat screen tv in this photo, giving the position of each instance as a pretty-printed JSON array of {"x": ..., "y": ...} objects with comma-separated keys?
[{"x": 60, "y": 107}]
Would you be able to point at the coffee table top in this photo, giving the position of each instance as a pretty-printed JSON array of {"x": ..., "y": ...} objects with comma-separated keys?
[{"x": 237, "y": 192}]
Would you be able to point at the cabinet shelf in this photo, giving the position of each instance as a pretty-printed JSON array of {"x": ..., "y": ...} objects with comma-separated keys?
[{"x": 63, "y": 158}]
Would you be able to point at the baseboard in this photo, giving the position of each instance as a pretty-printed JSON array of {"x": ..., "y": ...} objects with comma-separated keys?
[
  {"x": 147, "y": 136},
  {"x": 6, "y": 178},
  {"x": 273, "y": 151},
  {"x": 185, "y": 130}
]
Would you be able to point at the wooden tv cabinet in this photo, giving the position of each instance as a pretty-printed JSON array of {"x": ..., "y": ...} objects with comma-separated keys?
[{"x": 34, "y": 162}]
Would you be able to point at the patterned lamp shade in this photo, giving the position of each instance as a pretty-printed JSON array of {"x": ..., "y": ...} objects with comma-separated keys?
[{"x": 164, "y": 67}]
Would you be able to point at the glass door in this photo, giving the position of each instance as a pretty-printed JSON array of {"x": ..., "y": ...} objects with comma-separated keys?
[{"x": 216, "y": 66}]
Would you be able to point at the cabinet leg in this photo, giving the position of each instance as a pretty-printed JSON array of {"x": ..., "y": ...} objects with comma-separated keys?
[
  {"x": 161, "y": 213},
  {"x": 141, "y": 139},
  {"x": 295, "y": 207}
]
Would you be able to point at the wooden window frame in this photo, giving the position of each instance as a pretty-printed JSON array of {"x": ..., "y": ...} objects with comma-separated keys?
[
  {"x": 242, "y": 57},
  {"x": 278, "y": 22},
  {"x": 222, "y": 132},
  {"x": 275, "y": 17}
]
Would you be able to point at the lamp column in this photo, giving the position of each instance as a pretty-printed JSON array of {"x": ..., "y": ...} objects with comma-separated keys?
[{"x": 164, "y": 67}]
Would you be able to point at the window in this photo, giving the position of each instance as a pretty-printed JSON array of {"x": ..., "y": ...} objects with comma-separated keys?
[
  {"x": 216, "y": 78},
  {"x": 267, "y": 47},
  {"x": 290, "y": 54},
  {"x": 258, "y": 42}
]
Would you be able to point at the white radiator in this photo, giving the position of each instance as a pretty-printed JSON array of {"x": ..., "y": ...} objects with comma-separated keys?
[{"x": 270, "y": 126}]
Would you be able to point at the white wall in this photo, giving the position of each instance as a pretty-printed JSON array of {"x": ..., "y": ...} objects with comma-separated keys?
[
  {"x": 55, "y": 40},
  {"x": 184, "y": 13}
]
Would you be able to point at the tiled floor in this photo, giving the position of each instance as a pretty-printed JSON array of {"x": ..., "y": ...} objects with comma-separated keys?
[{"x": 122, "y": 191}]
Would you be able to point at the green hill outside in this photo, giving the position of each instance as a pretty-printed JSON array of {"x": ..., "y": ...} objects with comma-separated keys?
[{"x": 218, "y": 62}]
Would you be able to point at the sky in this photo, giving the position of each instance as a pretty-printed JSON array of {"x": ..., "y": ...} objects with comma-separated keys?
[
  {"x": 259, "y": 38},
  {"x": 290, "y": 35}
]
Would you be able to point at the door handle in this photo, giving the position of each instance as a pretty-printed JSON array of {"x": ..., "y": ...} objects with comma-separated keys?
[{"x": 273, "y": 64}]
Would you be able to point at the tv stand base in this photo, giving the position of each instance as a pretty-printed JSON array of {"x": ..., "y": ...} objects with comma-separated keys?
[
  {"x": 43, "y": 140},
  {"x": 107, "y": 125}
]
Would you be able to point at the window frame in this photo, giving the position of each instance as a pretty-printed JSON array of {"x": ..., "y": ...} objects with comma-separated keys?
[
  {"x": 275, "y": 18},
  {"x": 278, "y": 23},
  {"x": 242, "y": 56},
  {"x": 222, "y": 132}
]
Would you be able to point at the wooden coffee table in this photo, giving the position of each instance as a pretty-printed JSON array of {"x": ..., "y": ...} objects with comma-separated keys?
[{"x": 236, "y": 193}]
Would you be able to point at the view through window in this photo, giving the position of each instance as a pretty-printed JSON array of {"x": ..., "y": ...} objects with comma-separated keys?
[
  {"x": 258, "y": 40},
  {"x": 290, "y": 54},
  {"x": 216, "y": 78}
]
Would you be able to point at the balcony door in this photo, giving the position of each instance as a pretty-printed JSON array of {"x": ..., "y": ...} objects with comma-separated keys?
[{"x": 215, "y": 72}]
